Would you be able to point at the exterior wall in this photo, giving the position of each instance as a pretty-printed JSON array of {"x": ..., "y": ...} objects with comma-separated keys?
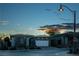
[
  {"x": 59, "y": 41},
  {"x": 12, "y": 42},
  {"x": 32, "y": 43},
  {"x": 65, "y": 41},
  {"x": 18, "y": 42},
  {"x": 27, "y": 42},
  {"x": 22, "y": 42}
]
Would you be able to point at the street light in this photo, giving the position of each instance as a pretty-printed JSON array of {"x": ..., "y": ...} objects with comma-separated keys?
[
  {"x": 74, "y": 18},
  {"x": 73, "y": 12}
]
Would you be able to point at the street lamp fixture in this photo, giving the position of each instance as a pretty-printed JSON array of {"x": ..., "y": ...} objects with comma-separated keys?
[{"x": 61, "y": 8}]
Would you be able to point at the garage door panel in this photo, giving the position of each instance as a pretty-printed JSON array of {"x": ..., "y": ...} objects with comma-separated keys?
[{"x": 42, "y": 43}]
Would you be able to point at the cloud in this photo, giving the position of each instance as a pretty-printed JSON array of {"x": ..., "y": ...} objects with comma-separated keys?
[
  {"x": 4, "y": 22},
  {"x": 18, "y": 24},
  {"x": 32, "y": 31},
  {"x": 28, "y": 30}
]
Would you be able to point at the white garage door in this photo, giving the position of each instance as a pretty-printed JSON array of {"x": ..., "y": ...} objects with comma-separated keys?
[{"x": 42, "y": 43}]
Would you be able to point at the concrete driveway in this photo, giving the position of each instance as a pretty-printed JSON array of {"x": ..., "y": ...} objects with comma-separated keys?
[{"x": 36, "y": 52}]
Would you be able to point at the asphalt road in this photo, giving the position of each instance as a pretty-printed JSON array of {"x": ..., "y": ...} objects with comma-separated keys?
[{"x": 36, "y": 52}]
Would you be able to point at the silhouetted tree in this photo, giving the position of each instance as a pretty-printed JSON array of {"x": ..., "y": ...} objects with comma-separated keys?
[{"x": 7, "y": 41}]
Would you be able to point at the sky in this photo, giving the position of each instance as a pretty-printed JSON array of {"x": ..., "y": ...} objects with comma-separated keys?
[{"x": 27, "y": 18}]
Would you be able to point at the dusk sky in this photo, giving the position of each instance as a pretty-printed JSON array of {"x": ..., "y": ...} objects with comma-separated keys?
[{"x": 27, "y": 18}]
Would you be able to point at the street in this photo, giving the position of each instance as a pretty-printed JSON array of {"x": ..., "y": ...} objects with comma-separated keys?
[{"x": 36, "y": 52}]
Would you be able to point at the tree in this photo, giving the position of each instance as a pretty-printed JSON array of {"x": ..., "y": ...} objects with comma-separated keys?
[{"x": 7, "y": 40}]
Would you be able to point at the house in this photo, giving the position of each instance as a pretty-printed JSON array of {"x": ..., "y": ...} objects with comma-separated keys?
[
  {"x": 28, "y": 42},
  {"x": 20, "y": 41}
]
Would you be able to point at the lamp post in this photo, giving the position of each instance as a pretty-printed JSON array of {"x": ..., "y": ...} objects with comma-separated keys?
[
  {"x": 73, "y": 12},
  {"x": 74, "y": 18}
]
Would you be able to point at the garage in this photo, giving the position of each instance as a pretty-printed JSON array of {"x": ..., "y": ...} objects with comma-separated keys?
[{"x": 42, "y": 43}]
